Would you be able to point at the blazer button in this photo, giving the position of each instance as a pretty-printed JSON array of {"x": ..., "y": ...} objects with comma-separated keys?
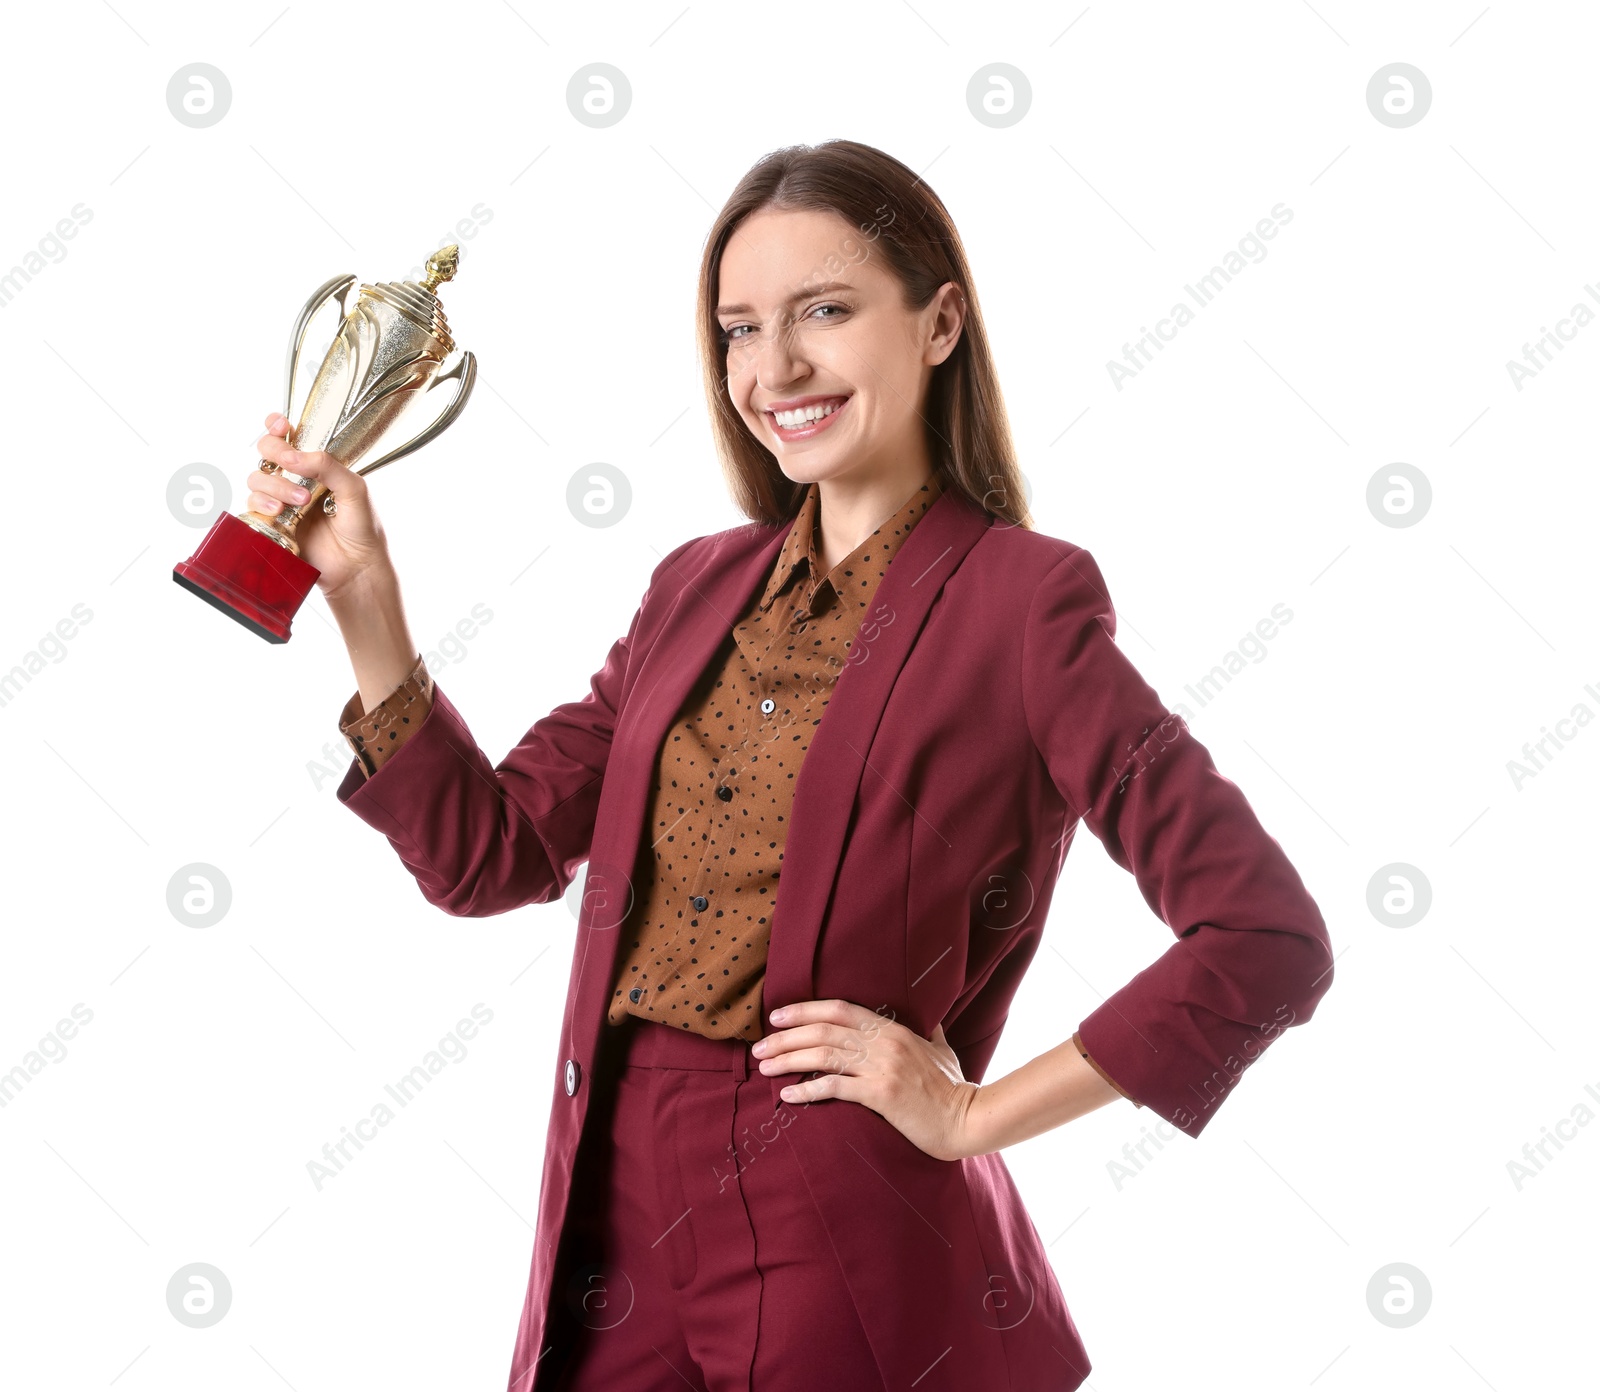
[
  {"x": 768, "y": 706},
  {"x": 700, "y": 901},
  {"x": 572, "y": 1076},
  {"x": 725, "y": 793},
  {"x": 635, "y": 994}
]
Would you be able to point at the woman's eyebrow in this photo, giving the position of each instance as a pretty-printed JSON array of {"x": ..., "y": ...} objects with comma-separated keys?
[{"x": 801, "y": 294}]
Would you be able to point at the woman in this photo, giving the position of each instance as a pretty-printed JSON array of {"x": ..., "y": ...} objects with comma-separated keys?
[{"x": 772, "y": 1160}]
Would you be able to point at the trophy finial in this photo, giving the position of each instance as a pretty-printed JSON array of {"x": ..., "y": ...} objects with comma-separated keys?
[{"x": 441, "y": 267}]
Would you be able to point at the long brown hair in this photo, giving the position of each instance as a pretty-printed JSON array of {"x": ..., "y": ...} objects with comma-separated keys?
[{"x": 965, "y": 418}]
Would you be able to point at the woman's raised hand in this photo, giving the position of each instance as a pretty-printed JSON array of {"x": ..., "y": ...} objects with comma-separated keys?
[{"x": 348, "y": 547}]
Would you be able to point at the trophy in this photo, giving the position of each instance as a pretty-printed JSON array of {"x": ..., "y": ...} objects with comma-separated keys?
[{"x": 387, "y": 355}]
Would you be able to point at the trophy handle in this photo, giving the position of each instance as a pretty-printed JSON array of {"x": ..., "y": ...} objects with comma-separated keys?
[
  {"x": 339, "y": 286},
  {"x": 464, "y": 373}
]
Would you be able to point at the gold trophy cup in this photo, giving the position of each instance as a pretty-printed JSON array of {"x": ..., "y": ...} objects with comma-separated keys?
[{"x": 387, "y": 356}]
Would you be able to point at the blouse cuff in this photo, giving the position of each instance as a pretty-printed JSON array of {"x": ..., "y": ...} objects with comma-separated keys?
[{"x": 376, "y": 735}]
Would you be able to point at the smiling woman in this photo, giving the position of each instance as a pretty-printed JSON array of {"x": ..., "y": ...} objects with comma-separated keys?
[
  {"x": 824, "y": 786},
  {"x": 834, "y": 277}
]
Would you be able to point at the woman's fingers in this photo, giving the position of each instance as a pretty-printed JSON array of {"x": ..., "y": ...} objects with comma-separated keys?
[
  {"x": 275, "y": 450},
  {"x": 796, "y": 1037},
  {"x": 270, "y": 492},
  {"x": 827, "y": 1087},
  {"x": 319, "y": 465},
  {"x": 277, "y": 429},
  {"x": 277, "y": 488},
  {"x": 821, "y": 1059},
  {"x": 813, "y": 1047}
]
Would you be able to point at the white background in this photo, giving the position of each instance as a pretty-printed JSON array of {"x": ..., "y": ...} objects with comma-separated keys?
[{"x": 1231, "y": 475}]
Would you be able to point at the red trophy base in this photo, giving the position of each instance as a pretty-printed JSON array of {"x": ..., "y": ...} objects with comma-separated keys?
[{"x": 248, "y": 576}]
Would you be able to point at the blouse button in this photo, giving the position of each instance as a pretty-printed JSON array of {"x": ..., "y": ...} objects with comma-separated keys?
[
  {"x": 768, "y": 706},
  {"x": 635, "y": 994},
  {"x": 700, "y": 901},
  {"x": 725, "y": 793}
]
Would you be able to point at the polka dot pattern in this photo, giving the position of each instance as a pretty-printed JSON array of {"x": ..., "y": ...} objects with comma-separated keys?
[
  {"x": 377, "y": 734},
  {"x": 695, "y": 944}
]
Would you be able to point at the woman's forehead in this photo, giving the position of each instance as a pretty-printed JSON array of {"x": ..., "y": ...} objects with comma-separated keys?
[{"x": 776, "y": 256}]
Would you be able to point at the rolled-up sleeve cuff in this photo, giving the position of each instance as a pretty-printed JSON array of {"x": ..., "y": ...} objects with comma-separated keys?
[
  {"x": 375, "y": 735},
  {"x": 1078, "y": 1044}
]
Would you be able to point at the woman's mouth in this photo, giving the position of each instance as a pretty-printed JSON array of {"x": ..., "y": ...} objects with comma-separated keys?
[{"x": 800, "y": 426}]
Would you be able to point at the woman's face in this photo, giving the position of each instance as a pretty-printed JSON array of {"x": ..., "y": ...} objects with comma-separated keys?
[{"x": 815, "y": 323}]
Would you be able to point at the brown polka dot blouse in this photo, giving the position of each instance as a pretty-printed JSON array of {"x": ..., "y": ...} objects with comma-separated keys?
[{"x": 695, "y": 945}]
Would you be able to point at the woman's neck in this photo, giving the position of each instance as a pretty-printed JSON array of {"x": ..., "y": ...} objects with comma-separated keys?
[{"x": 852, "y": 507}]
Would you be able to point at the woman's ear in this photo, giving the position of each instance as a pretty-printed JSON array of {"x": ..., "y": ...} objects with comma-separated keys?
[{"x": 948, "y": 309}]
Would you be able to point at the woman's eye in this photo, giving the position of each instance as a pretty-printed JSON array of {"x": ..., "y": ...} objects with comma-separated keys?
[{"x": 738, "y": 332}]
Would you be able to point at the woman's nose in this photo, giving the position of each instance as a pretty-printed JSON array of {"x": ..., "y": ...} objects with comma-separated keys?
[{"x": 776, "y": 360}]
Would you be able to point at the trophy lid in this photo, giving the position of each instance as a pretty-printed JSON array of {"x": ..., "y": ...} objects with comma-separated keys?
[{"x": 417, "y": 301}]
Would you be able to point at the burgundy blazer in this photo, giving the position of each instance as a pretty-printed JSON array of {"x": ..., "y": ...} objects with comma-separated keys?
[{"x": 985, "y": 713}]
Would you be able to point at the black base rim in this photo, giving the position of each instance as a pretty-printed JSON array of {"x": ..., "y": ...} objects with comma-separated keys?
[{"x": 227, "y": 609}]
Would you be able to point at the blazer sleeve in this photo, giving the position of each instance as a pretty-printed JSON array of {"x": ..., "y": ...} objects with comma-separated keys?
[
  {"x": 483, "y": 839},
  {"x": 1252, "y": 956}
]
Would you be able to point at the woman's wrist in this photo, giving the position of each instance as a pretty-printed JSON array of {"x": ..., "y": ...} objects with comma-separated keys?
[
  {"x": 972, "y": 1122},
  {"x": 372, "y": 621},
  {"x": 1057, "y": 1087},
  {"x": 371, "y": 584}
]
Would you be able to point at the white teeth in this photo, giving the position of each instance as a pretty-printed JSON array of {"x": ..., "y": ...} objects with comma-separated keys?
[{"x": 790, "y": 419}]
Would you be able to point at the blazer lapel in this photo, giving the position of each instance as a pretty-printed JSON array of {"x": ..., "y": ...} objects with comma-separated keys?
[{"x": 703, "y": 613}]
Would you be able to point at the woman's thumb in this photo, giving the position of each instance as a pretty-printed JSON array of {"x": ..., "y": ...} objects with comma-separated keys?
[{"x": 344, "y": 483}]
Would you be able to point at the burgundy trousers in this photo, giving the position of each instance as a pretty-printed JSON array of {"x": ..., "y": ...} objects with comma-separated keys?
[{"x": 693, "y": 1255}]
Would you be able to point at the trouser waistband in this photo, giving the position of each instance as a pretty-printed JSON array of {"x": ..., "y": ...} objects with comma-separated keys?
[{"x": 646, "y": 1044}]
